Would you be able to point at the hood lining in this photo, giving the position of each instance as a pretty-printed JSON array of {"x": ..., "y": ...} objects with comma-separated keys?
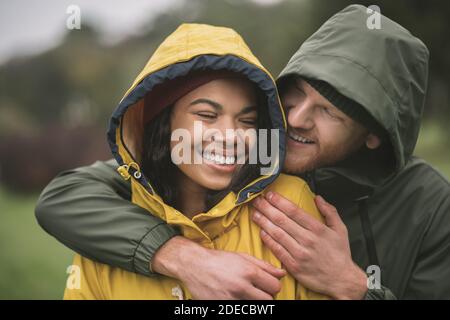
[{"x": 205, "y": 62}]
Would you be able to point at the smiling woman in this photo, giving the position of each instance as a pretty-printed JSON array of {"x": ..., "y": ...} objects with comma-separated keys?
[{"x": 200, "y": 74}]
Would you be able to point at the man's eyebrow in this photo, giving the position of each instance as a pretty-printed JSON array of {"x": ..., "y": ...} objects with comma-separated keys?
[
  {"x": 213, "y": 104},
  {"x": 299, "y": 86}
]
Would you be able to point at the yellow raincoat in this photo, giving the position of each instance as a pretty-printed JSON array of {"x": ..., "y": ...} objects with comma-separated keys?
[{"x": 228, "y": 225}]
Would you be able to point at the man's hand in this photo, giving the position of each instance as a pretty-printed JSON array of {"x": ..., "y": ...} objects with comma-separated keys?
[
  {"x": 216, "y": 274},
  {"x": 317, "y": 255}
]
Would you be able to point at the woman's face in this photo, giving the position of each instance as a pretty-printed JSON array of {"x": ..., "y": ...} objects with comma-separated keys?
[{"x": 213, "y": 109}]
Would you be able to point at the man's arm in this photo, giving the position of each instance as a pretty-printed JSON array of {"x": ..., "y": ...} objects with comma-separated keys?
[
  {"x": 87, "y": 210},
  {"x": 430, "y": 278}
]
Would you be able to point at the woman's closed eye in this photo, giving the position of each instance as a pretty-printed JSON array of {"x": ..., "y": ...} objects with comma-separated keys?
[
  {"x": 249, "y": 121},
  {"x": 207, "y": 115}
]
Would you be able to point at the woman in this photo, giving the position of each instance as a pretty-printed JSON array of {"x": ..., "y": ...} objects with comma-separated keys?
[{"x": 207, "y": 75}]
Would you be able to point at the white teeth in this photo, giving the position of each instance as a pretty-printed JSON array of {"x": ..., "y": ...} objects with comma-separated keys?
[
  {"x": 219, "y": 159},
  {"x": 299, "y": 138}
]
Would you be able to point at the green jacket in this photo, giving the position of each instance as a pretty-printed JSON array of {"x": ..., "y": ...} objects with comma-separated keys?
[{"x": 396, "y": 207}]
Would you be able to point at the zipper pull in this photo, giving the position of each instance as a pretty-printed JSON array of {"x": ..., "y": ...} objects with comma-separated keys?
[{"x": 123, "y": 170}]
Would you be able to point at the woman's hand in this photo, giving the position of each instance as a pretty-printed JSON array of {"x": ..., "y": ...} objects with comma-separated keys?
[{"x": 216, "y": 274}]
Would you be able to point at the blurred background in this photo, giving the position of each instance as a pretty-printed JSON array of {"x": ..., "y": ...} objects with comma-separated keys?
[{"x": 58, "y": 87}]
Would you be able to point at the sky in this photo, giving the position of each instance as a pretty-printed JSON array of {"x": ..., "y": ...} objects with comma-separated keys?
[{"x": 32, "y": 26}]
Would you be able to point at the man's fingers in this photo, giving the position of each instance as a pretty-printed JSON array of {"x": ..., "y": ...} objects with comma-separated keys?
[
  {"x": 279, "y": 218},
  {"x": 262, "y": 277},
  {"x": 284, "y": 230},
  {"x": 266, "y": 282},
  {"x": 285, "y": 239},
  {"x": 329, "y": 212},
  {"x": 278, "y": 250},
  {"x": 253, "y": 293},
  {"x": 291, "y": 210},
  {"x": 274, "y": 271}
]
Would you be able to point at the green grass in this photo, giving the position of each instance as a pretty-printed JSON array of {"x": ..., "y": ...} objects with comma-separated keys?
[{"x": 32, "y": 263}]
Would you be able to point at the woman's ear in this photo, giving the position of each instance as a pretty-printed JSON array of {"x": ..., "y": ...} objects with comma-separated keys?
[{"x": 372, "y": 141}]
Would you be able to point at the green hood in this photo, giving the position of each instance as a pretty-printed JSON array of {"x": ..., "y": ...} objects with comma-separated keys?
[{"x": 385, "y": 70}]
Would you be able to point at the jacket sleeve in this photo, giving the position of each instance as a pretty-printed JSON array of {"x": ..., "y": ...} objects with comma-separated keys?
[
  {"x": 430, "y": 278},
  {"x": 89, "y": 210},
  {"x": 382, "y": 293}
]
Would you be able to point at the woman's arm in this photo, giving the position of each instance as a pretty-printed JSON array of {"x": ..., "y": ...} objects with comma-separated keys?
[{"x": 85, "y": 209}]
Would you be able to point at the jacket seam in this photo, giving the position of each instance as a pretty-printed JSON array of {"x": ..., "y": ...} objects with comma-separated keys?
[
  {"x": 133, "y": 264},
  {"x": 435, "y": 172}
]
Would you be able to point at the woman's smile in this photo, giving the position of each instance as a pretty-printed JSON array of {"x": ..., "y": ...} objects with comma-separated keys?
[{"x": 220, "y": 162}]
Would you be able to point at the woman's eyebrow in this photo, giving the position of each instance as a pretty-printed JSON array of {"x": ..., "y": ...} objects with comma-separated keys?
[
  {"x": 248, "y": 110},
  {"x": 213, "y": 104},
  {"x": 220, "y": 107}
]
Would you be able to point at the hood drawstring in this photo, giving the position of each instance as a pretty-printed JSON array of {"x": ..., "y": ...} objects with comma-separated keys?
[{"x": 367, "y": 230}]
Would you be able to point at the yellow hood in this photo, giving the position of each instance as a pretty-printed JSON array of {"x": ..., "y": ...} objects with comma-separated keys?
[
  {"x": 192, "y": 47},
  {"x": 227, "y": 226}
]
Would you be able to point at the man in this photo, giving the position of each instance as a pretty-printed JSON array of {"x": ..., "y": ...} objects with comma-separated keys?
[{"x": 354, "y": 98}]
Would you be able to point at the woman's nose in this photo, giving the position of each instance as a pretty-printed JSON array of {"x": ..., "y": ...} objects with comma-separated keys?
[
  {"x": 227, "y": 133},
  {"x": 227, "y": 128}
]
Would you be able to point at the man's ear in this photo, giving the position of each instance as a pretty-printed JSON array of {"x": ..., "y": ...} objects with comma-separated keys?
[{"x": 372, "y": 141}]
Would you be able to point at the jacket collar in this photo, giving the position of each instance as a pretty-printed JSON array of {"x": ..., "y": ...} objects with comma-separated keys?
[{"x": 356, "y": 177}]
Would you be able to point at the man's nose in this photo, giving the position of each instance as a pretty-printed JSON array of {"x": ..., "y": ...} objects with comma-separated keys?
[{"x": 301, "y": 116}]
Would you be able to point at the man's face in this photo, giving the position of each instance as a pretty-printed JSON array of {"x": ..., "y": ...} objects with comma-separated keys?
[{"x": 319, "y": 134}]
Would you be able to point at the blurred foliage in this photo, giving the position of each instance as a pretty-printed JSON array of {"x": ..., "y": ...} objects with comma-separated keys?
[{"x": 77, "y": 84}]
